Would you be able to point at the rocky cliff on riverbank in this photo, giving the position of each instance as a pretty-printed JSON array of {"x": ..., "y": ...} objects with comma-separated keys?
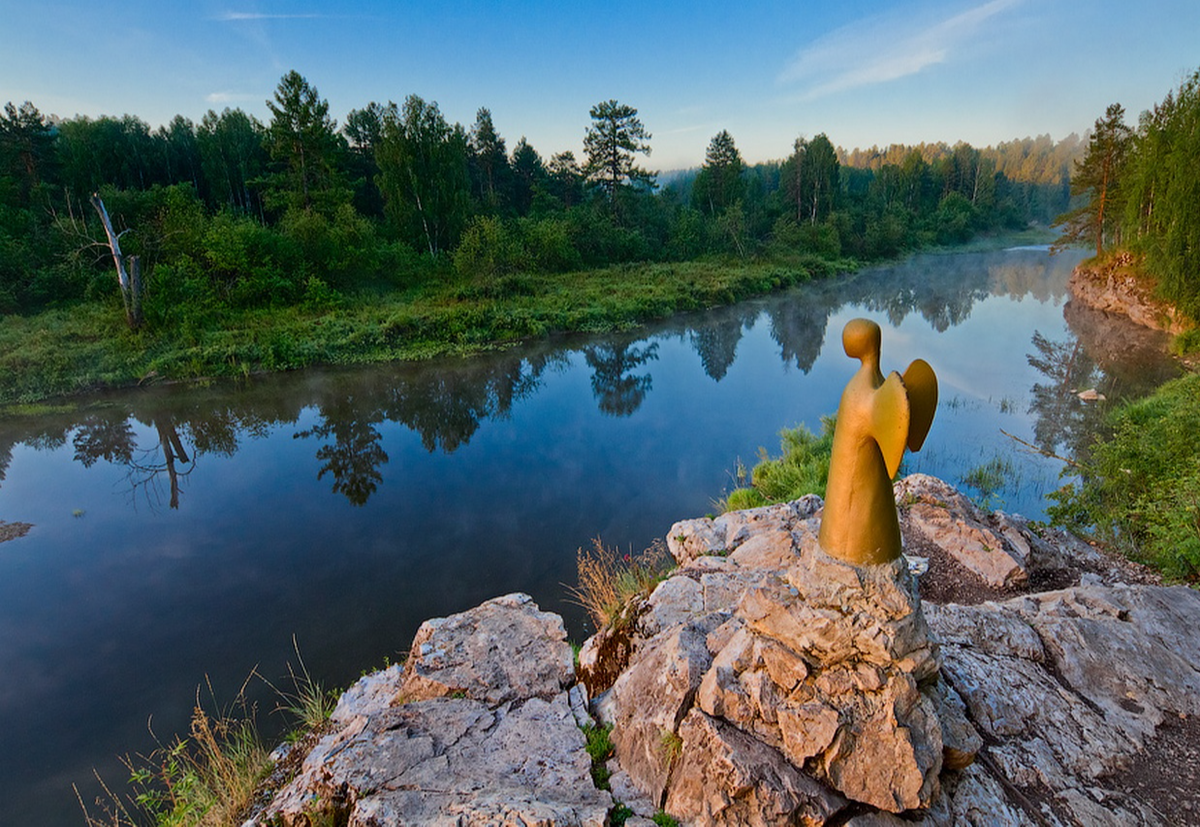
[
  {"x": 998, "y": 675},
  {"x": 1116, "y": 286}
]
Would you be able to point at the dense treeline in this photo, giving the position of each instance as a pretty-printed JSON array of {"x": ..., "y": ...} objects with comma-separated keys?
[
  {"x": 1140, "y": 188},
  {"x": 233, "y": 212}
]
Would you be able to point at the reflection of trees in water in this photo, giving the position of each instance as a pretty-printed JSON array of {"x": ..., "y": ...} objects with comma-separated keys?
[
  {"x": 353, "y": 457},
  {"x": 617, "y": 392},
  {"x": 714, "y": 335},
  {"x": 447, "y": 405},
  {"x": 444, "y": 403},
  {"x": 798, "y": 325},
  {"x": 1024, "y": 278},
  {"x": 109, "y": 436},
  {"x": 1061, "y": 419},
  {"x": 1118, "y": 358},
  {"x": 716, "y": 345}
]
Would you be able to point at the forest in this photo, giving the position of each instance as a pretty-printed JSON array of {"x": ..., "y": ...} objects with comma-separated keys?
[
  {"x": 234, "y": 211},
  {"x": 1139, "y": 188},
  {"x": 412, "y": 235}
]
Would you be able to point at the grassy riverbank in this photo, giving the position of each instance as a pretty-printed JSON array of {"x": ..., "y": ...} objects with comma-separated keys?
[{"x": 86, "y": 347}]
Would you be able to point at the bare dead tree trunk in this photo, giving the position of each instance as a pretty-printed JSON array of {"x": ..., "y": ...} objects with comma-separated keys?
[
  {"x": 129, "y": 295},
  {"x": 172, "y": 447}
]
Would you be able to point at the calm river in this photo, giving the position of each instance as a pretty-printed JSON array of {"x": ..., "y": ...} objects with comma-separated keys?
[{"x": 183, "y": 536}]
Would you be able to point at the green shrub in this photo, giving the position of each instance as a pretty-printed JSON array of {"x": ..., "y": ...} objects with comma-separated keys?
[
  {"x": 1140, "y": 488},
  {"x": 802, "y": 468},
  {"x": 489, "y": 248},
  {"x": 1186, "y": 342}
]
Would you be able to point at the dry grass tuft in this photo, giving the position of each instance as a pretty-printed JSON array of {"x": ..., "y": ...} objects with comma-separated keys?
[
  {"x": 208, "y": 779},
  {"x": 609, "y": 579}
]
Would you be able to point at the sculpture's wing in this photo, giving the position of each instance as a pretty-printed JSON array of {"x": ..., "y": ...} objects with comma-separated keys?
[
  {"x": 889, "y": 421},
  {"x": 921, "y": 384}
]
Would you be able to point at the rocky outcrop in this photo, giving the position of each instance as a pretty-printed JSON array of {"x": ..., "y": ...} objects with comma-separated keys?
[
  {"x": 1115, "y": 287},
  {"x": 476, "y": 728},
  {"x": 765, "y": 682}
]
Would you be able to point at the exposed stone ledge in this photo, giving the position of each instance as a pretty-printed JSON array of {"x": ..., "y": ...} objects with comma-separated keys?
[
  {"x": 766, "y": 683},
  {"x": 1115, "y": 287}
]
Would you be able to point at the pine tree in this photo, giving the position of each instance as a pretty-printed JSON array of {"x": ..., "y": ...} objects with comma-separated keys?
[
  {"x": 306, "y": 148},
  {"x": 611, "y": 142},
  {"x": 719, "y": 182},
  {"x": 1098, "y": 178}
]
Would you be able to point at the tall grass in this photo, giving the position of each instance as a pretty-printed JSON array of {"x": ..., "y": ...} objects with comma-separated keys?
[
  {"x": 207, "y": 779},
  {"x": 801, "y": 468},
  {"x": 87, "y": 346},
  {"x": 1139, "y": 489},
  {"x": 217, "y": 775},
  {"x": 609, "y": 580}
]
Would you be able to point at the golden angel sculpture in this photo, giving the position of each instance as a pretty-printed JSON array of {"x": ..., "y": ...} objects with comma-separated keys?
[{"x": 876, "y": 420}]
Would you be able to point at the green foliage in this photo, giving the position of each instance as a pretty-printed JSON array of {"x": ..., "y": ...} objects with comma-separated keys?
[
  {"x": 615, "y": 136},
  {"x": 719, "y": 182},
  {"x": 287, "y": 244},
  {"x": 1140, "y": 488},
  {"x": 1098, "y": 177},
  {"x": 802, "y": 468},
  {"x": 609, "y": 580},
  {"x": 1162, "y": 192},
  {"x": 662, "y": 819},
  {"x": 955, "y": 219},
  {"x": 599, "y": 748},
  {"x": 1187, "y": 342},
  {"x": 489, "y": 248},
  {"x": 306, "y": 149},
  {"x": 988, "y": 477},
  {"x": 423, "y": 174}
]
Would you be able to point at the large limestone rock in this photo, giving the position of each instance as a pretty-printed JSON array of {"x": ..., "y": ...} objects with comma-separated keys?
[
  {"x": 820, "y": 663},
  {"x": 501, "y": 651},
  {"x": 476, "y": 728},
  {"x": 767, "y": 683},
  {"x": 950, "y": 521},
  {"x": 825, "y": 674},
  {"x": 727, "y": 777},
  {"x": 1071, "y": 686}
]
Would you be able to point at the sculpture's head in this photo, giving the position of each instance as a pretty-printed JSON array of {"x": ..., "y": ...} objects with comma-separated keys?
[{"x": 861, "y": 338}]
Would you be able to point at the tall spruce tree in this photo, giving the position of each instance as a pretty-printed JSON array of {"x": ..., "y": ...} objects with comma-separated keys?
[
  {"x": 488, "y": 163},
  {"x": 1098, "y": 178},
  {"x": 306, "y": 149},
  {"x": 719, "y": 182}
]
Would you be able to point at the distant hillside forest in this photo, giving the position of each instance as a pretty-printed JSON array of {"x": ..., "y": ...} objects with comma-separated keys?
[{"x": 233, "y": 212}]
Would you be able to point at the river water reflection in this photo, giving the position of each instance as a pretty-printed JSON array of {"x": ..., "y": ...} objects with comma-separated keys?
[{"x": 181, "y": 533}]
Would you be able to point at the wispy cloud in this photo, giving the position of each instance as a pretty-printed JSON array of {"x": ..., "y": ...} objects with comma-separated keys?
[
  {"x": 886, "y": 48},
  {"x": 231, "y": 97},
  {"x": 251, "y": 15}
]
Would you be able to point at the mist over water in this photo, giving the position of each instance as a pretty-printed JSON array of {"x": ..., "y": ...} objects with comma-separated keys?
[{"x": 184, "y": 534}]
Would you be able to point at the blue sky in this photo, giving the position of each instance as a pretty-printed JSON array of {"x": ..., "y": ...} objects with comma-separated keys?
[{"x": 862, "y": 72}]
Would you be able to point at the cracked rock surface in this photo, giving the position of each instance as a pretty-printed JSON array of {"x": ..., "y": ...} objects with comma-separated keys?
[
  {"x": 476, "y": 728},
  {"x": 766, "y": 683}
]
